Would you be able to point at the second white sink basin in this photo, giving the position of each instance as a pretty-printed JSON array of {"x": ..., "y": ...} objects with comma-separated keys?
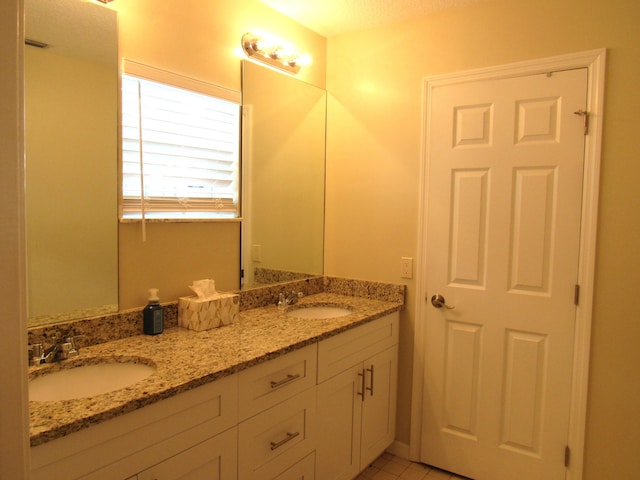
[
  {"x": 319, "y": 311},
  {"x": 87, "y": 380}
]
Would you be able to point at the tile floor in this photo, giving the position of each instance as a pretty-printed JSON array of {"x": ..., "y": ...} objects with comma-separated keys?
[{"x": 390, "y": 467}]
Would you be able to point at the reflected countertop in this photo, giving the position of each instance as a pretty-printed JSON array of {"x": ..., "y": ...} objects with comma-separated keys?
[{"x": 186, "y": 359}]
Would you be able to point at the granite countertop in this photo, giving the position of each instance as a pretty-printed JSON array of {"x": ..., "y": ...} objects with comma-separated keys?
[{"x": 185, "y": 359}]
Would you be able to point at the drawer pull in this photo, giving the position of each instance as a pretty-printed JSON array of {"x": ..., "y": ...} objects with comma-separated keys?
[
  {"x": 362, "y": 384},
  {"x": 290, "y": 436},
  {"x": 371, "y": 387},
  {"x": 284, "y": 381}
]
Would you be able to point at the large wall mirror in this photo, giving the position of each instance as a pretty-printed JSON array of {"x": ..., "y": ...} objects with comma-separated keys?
[
  {"x": 71, "y": 140},
  {"x": 71, "y": 109},
  {"x": 284, "y": 176}
]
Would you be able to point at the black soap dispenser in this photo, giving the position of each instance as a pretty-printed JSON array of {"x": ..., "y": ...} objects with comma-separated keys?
[{"x": 153, "y": 314}]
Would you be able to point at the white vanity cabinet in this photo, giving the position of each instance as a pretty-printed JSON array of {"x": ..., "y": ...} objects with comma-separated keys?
[
  {"x": 197, "y": 428},
  {"x": 357, "y": 377},
  {"x": 321, "y": 412},
  {"x": 276, "y": 434}
]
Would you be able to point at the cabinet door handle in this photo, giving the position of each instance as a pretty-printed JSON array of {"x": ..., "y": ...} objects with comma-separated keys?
[
  {"x": 290, "y": 436},
  {"x": 370, "y": 370},
  {"x": 362, "y": 384},
  {"x": 284, "y": 381}
]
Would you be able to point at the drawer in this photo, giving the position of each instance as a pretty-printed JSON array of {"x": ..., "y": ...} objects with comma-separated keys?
[
  {"x": 303, "y": 470},
  {"x": 129, "y": 443},
  {"x": 213, "y": 459},
  {"x": 272, "y": 382},
  {"x": 276, "y": 439},
  {"x": 338, "y": 353}
]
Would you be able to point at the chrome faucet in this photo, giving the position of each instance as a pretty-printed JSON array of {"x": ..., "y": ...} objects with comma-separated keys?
[
  {"x": 285, "y": 300},
  {"x": 58, "y": 351}
]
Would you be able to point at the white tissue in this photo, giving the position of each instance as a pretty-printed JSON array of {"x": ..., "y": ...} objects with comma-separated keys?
[{"x": 204, "y": 289}]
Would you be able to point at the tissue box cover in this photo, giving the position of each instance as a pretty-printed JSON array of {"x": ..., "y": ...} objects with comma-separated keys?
[{"x": 196, "y": 314}]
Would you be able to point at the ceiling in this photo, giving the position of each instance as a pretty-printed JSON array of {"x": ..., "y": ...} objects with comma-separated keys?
[
  {"x": 71, "y": 27},
  {"x": 334, "y": 17}
]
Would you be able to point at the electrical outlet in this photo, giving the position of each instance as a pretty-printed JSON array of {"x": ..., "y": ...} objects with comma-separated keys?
[{"x": 406, "y": 267}]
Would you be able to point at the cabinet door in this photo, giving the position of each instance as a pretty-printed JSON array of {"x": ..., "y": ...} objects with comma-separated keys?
[
  {"x": 213, "y": 459},
  {"x": 339, "y": 414},
  {"x": 379, "y": 405}
]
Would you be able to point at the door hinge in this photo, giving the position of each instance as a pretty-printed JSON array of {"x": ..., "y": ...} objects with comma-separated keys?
[
  {"x": 585, "y": 115},
  {"x": 567, "y": 456},
  {"x": 576, "y": 295}
]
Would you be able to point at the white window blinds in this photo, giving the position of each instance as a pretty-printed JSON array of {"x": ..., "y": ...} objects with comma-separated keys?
[{"x": 180, "y": 152}]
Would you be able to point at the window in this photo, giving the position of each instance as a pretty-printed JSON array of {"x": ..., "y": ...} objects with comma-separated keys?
[{"x": 180, "y": 147}]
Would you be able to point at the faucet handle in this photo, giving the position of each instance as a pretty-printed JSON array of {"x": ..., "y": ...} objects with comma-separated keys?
[
  {"x": 36, "y": 349},
  {"x": 36, "y": 353},
  {"x": 54, "y": 337},
  {"x": 69, "y": 348},
  {"x": 71, "y": 338}
]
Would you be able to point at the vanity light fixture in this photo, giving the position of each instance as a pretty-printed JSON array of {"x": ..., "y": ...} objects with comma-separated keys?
[{"x": 273, "y": 53}]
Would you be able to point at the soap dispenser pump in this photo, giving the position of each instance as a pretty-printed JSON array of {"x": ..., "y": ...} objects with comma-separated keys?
[{"x": 153, "y": 314}]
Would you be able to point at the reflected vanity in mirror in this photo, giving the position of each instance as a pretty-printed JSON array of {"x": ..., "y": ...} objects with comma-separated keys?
[
  {"x": 71, "y": 105},
  {"x": 283, "y": 176}
]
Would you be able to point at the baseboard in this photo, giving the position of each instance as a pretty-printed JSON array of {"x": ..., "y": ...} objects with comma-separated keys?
[{"x": 399, "y": 449}]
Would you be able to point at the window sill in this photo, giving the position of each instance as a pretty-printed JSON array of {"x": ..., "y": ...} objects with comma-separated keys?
[{"x": 182, "y": 220}]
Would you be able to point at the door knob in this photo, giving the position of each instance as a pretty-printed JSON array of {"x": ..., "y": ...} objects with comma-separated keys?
[{"x": 438, "y": 301}]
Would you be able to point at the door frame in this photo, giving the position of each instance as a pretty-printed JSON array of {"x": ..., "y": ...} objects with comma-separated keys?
[{"x": 594, "y": 62}]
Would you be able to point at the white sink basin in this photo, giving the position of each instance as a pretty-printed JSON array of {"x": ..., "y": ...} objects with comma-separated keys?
[
  {"x": 320, "y": 311},
  {"x": 87, "y": 380}
]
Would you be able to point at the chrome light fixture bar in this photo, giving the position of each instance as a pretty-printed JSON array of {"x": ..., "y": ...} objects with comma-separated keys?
[{"x": 273, "y": 54}]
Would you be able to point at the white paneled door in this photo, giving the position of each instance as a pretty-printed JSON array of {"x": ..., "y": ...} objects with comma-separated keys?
[{"x": 503, "y": 230}]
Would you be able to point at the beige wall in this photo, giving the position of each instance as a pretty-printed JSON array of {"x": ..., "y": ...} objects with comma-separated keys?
[
  {"x": 374, "y": 79},
  {"x": 373, "y": 165},
  {"x": 196, "y": 38}
]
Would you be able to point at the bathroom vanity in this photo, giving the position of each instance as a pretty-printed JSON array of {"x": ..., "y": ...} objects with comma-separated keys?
[{"x": 274, "y": 396}]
